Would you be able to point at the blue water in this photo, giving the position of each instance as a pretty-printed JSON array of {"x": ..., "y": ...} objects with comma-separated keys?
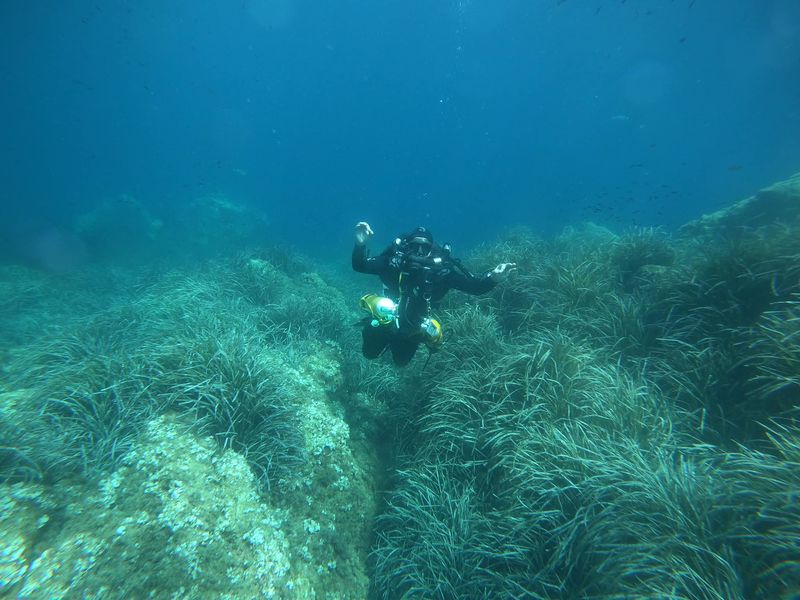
[{"x": 467, "y": 116}]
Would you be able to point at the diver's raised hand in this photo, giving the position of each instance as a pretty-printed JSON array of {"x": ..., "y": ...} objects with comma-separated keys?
[
  {"x": 501, "y": 272},
  {"x": 363, "y": 232}
]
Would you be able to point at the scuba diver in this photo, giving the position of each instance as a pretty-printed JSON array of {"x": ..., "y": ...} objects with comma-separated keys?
[{"x": 416, "y": 273}]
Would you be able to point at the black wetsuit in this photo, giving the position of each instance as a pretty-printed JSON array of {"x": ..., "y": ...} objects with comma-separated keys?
[{"x": 414, "y": 283}]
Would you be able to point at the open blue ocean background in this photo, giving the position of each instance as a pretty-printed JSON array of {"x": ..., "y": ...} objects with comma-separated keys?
[{"x": 468, "y": 116}]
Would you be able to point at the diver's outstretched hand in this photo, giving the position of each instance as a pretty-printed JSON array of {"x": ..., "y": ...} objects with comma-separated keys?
[
  {"x": 501, "y": 272},
  {"x": 363, "y": 232}
]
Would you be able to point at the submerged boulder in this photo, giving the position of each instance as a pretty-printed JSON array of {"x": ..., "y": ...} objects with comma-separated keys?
[
  {"x": 183, "y": 517},
  {"x": 177, "y": 520},
  {"x": 776, "y": 204},
  {"x": 214, "y": 225},
  {"x": 118, "y": 229}
]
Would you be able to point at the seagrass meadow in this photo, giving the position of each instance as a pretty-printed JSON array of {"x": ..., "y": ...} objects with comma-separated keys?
[{"x": 619, "y": 420}]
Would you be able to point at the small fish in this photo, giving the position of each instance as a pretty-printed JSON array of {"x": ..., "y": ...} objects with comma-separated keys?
[
  {"x": 620, "y": 118},
  {"x": 683, "y": 39},
  {"x": 735, "y": 167}
]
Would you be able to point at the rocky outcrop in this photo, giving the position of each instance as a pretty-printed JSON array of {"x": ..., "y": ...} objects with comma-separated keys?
[
  {"x": 180, "y": 519},
  {"x": 778, "y": 203}
]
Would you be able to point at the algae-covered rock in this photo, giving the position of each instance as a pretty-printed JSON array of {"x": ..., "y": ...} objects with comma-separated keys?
[
  {"x": 778, "y": 203},
  {"x": 301, "y": 302},
  {"x": 330, "y": 502},
  {"x": 24, "y": 515},
  {"x": 215, "y": 225},
  {"x": 178, "y": 520},
  {"x": 263, "y": 283},
  {"x": 183, "y": 518},
  {"x": 119, "y": 229}
]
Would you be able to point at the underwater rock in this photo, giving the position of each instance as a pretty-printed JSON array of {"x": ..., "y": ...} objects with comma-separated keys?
[
  {"x": 178, "y": 519},
  {"x": 330, "y": 502},
  {"x": 262, "y": 283},
  {"x": 640, "y": 253},
  {"x": 778, "y": 203},
  {"x": 24, "y": 512},
  {"x": 118, "y": 229},
  {"x": 302, "y": 302},
  {"x": 182, "y": 517},
  {"x": 215, "y": 226},
  {"x": 586, "y": 234}
]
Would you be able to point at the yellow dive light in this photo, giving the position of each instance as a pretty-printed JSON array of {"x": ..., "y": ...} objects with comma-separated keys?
[{"x": 383, "y": 310}]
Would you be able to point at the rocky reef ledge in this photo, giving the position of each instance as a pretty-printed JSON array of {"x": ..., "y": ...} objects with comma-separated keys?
[
  {"x": 181, "y": 519},
  {"x": 778, "y": 203}
]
